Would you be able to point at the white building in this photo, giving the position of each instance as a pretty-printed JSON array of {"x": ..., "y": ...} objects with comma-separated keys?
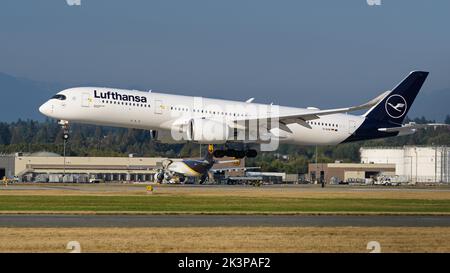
[{"x": 414, "y": 163}]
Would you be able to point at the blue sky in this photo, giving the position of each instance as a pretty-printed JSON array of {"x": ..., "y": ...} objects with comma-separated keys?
[{"x": 300, "y": 53}]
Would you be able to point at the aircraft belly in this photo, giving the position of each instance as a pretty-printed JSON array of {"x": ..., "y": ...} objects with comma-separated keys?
[{"x": 315, "y": 136}]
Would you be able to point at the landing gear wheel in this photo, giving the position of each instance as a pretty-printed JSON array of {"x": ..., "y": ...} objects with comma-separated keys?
[
  {"x": 230, "y": 153},
  {"x": 251, "y": 153},
  {"x": 219, "y": 153},
  {"x": 235, "y": 153},
  {"x": 159, "y": 177},
  {"x": 203, "y": 179},
  {"x": 240, "y": 154}
]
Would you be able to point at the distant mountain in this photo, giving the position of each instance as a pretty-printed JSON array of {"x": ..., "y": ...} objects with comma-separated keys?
[{"x": 21, "y": 98}]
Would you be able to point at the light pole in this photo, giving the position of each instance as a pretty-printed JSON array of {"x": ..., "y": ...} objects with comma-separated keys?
[
  {"x": 435, "y": 162},
  {"x": 417, "y": 158},
  {"x": 64, "y": 158},
  {"x": 65, "y": 136},
  {"x": 317, "y": 168},
  {"x": 410, "y": 157}
]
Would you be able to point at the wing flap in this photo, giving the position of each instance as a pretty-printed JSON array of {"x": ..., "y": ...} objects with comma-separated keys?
[{"x": 304, "y": 116}]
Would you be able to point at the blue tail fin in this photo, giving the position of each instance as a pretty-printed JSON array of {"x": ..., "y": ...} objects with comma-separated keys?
[{"x": 394, "y": 107}]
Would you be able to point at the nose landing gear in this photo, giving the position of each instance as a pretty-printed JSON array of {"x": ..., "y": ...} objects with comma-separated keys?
[{"x": 65, "y": 127}]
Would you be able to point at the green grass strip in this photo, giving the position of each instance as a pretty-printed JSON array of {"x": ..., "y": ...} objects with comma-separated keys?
[{"x": 214, "y": 204}]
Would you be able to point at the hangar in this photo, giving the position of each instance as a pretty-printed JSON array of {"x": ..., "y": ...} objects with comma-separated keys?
[{"x": 413, "y": 163}]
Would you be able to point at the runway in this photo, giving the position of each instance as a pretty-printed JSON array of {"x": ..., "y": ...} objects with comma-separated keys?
[
  {"x": 116, "y": 187},
  {"x": 60, "y": 221}
]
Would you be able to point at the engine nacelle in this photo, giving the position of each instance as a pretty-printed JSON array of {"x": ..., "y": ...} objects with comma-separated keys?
[
  {"x": 208, "y": 131},
  {"x": 165, "y": 136},
  {"x": 159, "y": 177},
  {"x": 167, "y": 176}
]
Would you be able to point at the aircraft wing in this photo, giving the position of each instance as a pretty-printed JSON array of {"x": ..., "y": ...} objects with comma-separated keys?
[
  {"x": 412, "y": 127},
  {"x": 235, "y": 161},
  {"x": 309, "y": 114}
]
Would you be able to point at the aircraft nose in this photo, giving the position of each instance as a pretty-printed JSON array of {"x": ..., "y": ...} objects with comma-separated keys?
[{"x": 45, "y": 109}]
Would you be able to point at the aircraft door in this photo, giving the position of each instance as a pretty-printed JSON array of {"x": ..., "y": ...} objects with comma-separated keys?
[
  {"x": 351, "y": 126},
  {"x": 85, "y": 100},
  {"x": 159, "y": 107}
]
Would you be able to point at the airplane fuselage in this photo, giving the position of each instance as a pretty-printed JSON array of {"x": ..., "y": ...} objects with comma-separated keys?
[{"x": 158, "y": 111}]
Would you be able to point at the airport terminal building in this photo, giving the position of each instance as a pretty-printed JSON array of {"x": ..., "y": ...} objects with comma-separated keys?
[{"x": 49, "y": 167}]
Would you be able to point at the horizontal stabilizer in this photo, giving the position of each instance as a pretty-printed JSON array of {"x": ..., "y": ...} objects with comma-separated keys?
[{"x": 412, "y": 127}]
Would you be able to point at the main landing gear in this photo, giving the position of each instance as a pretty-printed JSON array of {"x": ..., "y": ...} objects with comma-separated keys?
[{"x": 235, "y": 153}]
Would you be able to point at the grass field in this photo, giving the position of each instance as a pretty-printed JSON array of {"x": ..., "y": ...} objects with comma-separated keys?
[
  {"x": 432, "y": 193},
  {"x": 225, "y": 200},
  {"x": 130, "y": 199},
  {"x": 243, "y": 239},
  {"x": 218, "y": 204}
]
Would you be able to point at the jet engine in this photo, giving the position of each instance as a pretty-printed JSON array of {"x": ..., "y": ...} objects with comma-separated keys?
[
  {"x": 159, "y": 177},
  {"x": 208, "y": 131},
  {"x": 167, "y": 176}
]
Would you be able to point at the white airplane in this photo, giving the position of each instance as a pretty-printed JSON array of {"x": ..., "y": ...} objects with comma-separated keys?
[{"x": 178, "y": 119}]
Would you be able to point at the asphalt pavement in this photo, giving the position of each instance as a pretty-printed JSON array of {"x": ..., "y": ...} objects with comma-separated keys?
[{"x": 220, "y": 221}]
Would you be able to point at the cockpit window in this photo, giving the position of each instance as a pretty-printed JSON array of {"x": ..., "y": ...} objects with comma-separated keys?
[{"x": 59, "y": 97}]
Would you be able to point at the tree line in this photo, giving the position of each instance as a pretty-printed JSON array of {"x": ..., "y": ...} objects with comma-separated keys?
[{"x": 31, "y": 136}]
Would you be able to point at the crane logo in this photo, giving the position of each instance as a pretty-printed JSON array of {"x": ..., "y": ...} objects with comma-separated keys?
[
  {"x": 374, "y": 2},
  {"x": 73, "y": 2},
  {"x": 396, "y": 106}
]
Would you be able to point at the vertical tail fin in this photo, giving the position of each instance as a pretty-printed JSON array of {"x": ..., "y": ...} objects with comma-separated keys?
[
  {"x": 394, "y": 107},
  {"x": 209, "y": 154}
]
